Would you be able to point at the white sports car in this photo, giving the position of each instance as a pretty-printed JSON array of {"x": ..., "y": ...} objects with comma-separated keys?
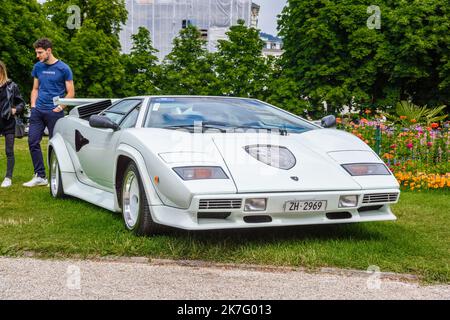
[{"x": 202, "y": 163}]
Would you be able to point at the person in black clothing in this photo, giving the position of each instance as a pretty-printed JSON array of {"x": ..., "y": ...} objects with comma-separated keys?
[{"x": 11, "y": 104}]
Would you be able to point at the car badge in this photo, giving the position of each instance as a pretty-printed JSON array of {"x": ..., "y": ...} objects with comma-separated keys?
[{"x": 294, "y": 178}]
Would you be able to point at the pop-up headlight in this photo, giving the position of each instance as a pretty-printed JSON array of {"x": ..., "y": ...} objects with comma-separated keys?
[{"x": 275, "y": 156}]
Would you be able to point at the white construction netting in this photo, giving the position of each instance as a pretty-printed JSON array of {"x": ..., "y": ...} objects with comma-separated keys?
[{"x": 165, "y": 18}]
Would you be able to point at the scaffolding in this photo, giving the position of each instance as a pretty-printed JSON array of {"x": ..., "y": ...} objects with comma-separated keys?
[{"x": 165, "y": 18}]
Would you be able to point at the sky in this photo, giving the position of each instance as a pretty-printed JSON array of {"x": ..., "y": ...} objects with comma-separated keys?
[{"x": 268, "y": 14}]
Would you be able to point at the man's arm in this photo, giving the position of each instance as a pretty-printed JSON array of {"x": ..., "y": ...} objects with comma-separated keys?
[
  {"x": 70, "y": 88},
  {"x": 34, "y": 92}
]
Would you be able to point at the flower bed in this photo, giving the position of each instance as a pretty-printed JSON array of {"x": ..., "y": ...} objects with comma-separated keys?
[{"x": 417, "y": 155}]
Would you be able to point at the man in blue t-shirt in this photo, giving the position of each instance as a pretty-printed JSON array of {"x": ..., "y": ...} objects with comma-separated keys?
[{"x": 52, "y": 78}]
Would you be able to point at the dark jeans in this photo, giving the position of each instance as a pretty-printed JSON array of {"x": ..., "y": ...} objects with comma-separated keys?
[
  {"x": 38, "y": 121},
  {"x": 9, "y": 148}
]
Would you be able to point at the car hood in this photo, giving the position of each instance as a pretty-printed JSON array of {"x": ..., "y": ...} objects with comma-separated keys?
[
  {"x": 319, "y": 155},
  {"x": 314, "y": 170}
]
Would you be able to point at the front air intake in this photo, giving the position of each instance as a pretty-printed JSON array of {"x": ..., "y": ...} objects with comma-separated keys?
[
  {"x": 211, "y": 204},
  {"x": 370, "y": 208},
  {"x": 213, "y": 215},
  {"x": 380, "y": 197},
  {"x": 257, "y": 219},
  {"x": 339, "y": 215}
]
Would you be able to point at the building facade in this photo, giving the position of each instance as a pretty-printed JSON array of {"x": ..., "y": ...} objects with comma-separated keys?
[{"x": 165, "y": 18}]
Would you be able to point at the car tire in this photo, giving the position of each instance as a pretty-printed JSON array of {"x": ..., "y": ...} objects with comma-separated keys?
[
  {"x": 136, "y": 213},
  {"x": 56, "y": 186}
]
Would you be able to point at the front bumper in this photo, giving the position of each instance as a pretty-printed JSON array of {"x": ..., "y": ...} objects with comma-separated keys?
[{"x": 234, "y": 217}]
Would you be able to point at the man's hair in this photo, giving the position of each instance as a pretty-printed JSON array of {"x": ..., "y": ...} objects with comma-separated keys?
[{"x": 43, "y": 43}]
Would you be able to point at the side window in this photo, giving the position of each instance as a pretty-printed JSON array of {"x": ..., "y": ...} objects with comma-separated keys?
[
  {"x": 120, "y": 110},
  {"x": 130, "y": 120}
]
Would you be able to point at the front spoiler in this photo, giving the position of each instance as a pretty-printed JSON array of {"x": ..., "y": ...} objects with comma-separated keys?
[{"x": 188, "y": 218}]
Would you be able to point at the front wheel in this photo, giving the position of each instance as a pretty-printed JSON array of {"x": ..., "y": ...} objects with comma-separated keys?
[
  {"x": 56, "y": 186},
  {"x": 135, "y": 209}
]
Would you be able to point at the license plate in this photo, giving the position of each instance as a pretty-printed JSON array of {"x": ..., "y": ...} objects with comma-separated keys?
[{"x": 305, "y": 206}]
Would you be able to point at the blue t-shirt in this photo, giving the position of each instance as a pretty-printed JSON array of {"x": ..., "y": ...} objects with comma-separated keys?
[{"x": 52, "y": 82}]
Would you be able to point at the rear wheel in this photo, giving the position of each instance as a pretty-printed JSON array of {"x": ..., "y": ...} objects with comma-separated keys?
[
  {"x": 135, "y": 209},
  {"x": 56, "y": 186}
]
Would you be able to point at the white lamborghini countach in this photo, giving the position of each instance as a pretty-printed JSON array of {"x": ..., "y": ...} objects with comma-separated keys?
[{"x": 205, "y": 163}]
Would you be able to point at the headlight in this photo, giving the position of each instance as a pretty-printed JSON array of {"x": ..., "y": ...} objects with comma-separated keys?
[
  {"x": 275, "y": 156},
  {"x": 367, "y": 169},
  {"x": 200, "y": 173},
  {"x": 255, "y": 204},
  {"x": 348, "y": 201}
]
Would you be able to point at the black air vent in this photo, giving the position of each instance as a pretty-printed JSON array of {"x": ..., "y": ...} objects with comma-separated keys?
[
  {"x": 87, "y": 110},
  {"x": 80, "y": 141},
  {"x": 369, "y": 208},
  {"x": 339, "y": 215},
  {"x": 257, "y": 219},
  {"x": 213, "y": 215}
]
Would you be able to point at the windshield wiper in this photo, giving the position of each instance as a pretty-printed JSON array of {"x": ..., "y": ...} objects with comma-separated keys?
[
  {"x": 224, "y": 127},
  {"x": 192, "y": 127},
  {"x": 285, "y": 129}
]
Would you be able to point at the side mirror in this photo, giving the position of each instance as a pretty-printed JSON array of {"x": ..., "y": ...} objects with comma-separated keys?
[
  {"x": 328, "y": 122},
  {"x": 102, "y": 122}
]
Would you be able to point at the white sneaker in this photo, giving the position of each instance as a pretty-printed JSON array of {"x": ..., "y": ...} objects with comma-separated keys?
[
  {"x": 6, "y": 183},
  {"x": 36, "y": 181}
]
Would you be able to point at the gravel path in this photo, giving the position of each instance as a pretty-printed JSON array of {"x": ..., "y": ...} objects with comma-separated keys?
[{"x": 137, "y": 278}]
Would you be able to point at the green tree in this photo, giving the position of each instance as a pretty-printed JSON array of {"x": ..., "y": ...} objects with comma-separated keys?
[
  {"x": 334, "y": 56},
  {"x": 22, "y": 23},
  {"x": 284, "y": 91},
  {"x": 418, "y": 33},
  {"x": 241, "y": 67},
  {"x": 109, "y": 15},
  {"x": 93, "y": 48},
  {"x": 96, "y": 62},
  {"x": 188, "y": 68},
  {"x": 141, "y": 66}
]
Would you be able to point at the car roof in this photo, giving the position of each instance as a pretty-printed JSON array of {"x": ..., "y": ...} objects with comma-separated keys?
[{"x": 186, "y": 96}]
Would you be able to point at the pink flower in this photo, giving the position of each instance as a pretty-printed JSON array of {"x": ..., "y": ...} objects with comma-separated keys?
[
  {"x": 409, "y": 145},
  {"x": 394, "y": 146},
  {"x": 430, "y": 144}
]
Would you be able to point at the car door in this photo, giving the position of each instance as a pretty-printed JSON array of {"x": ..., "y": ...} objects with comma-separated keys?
[{"x": 97, "y": 154}]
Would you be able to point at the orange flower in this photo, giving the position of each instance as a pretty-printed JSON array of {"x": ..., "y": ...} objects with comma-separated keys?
[
  {"x": 338, "y": 120},
  {"x": 413, "y": 121},
  {"x": 435, "y": 125},
  {"x": 367, "y": 111},
  {"x": 403, "y": 117},
  {"x": 423, "y": 180}
]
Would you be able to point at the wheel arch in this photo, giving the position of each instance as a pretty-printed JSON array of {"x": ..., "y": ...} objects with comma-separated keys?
[
  {"x": 57, "y": 145},
  {"x": 126, "y": 154}
]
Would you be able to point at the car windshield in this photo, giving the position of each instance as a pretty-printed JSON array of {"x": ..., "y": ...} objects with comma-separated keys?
[{"x": 223, "y": 114}]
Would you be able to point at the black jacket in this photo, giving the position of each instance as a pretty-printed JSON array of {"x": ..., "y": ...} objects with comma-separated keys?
[{"x": 10, "y": 97}]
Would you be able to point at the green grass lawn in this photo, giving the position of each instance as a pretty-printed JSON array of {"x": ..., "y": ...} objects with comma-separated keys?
[{"x": 418, "y": 243}]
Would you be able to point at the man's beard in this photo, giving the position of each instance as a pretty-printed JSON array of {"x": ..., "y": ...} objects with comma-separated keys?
[{"x": 46, "y": 59}]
